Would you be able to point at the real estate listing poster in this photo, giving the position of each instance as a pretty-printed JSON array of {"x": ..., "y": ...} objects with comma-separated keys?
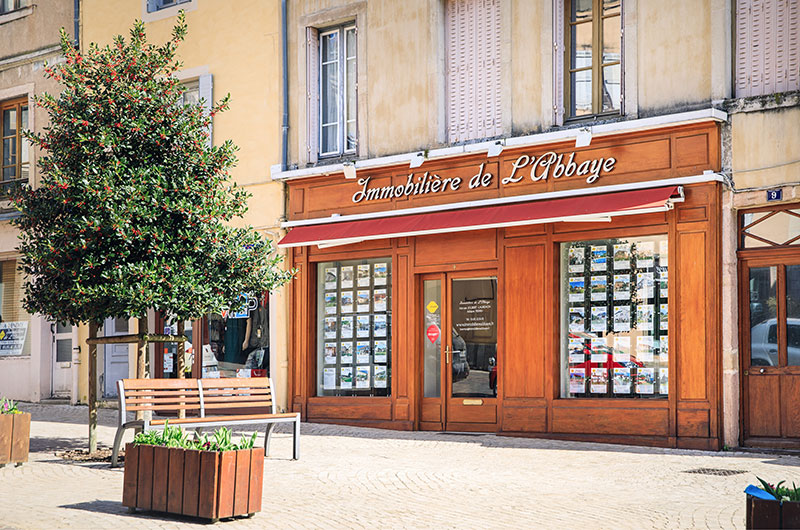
[
  {"x": 622, "y": 256},
  {"x": 663, "y": 316},
  {"x": 381, "y": 351},
  {"x": 347, "y": 301},
  {"x": 598, "y": 288},
  {"x": 622, "y": 380},
  {"x": 576, "y": 289},
  {"x": 362, "y": 326},
  {"x": 346, "y": 377},
  {"x": 330, "y": 304},
  {"x": 330, "y": 353},
  {"x": 663, "y": 380},
  {"x": 362, "y": 352},
  {"x": 329, "y": 378},
  {"x": 380, "y": 376},
  {"x": 362, "y": 376},
  {"x": 622, "y": 318},
  {"x": 645, "y": 380},
  {"x": 330, "y": 327},
  {"x": 577, "y": 319},
  {"x": 644, "y": 285},
  {"x": 330, "y": 278},
  {"x": 381, "y": 273},
  {"x": 622, "y": 287},
  {"x": 576, "y": 259},
  {"x": 379, "y": 300},
  {"x": 599, "y": 258},
  {"x": 347, "y": 277},
  {"x": 362, "y": 301},
  {"x": 363, "y": 275},
  {"x": 380, "y": 325},
  {"x": 577, "y": 380},
  {"x": 644, "y": 254},
  {"x": 644, "y": 317},
  {"x": 346, "y": 352},
  {"x": 599, "y": 381},
  {"x": 599, "y": 318},
  {"x": 644, "y": 348},
  {"x": 346, "y": 327}
]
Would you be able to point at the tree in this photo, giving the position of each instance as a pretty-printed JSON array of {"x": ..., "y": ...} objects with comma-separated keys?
[{"x": 134, "y": 208}]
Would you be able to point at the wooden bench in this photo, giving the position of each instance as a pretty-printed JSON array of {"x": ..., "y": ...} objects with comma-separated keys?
[{"x": 200, "y": 398}]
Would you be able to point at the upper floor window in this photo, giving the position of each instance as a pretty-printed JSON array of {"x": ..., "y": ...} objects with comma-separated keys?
[
  {"x": 16, "y": 163},
  {"x": 337, "y": 91},
  {"x": 767, "y": 47},
  {"x": 7, "y": 6},
  {"x": 473, "y": 79},
  {"x": 156, "y": 5},
  {"x": 593, "y": 57}
]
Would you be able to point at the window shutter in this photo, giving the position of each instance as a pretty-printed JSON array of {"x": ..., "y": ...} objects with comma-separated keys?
[
  {"x": 206, "y": 90},
  {"x": 474, "y": 69},
  {"x": 312, "y": 94},
  {"x": 152, "y": 6},
  {"x": 558, "y": 62},
  {"x": 744, "y": 58},
  {"x": 789, "y": 38}
]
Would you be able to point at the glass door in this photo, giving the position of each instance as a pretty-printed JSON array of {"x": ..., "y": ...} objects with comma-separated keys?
[{"x": 459, "y": 351}]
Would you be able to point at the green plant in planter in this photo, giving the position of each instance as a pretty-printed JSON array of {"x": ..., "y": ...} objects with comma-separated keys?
[
  {"x": 221, "y": 440},
  {"x": 8, "y": 406},
  {"x": 780, "y": 492}
]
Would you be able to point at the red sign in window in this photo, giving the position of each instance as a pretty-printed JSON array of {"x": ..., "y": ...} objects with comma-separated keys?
[{"x": 433, "y": 332}]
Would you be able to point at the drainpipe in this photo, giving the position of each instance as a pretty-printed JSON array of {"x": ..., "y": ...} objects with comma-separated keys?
[
  {"x": 285, "y": 53},
  {"x": 77, "y": 26}
]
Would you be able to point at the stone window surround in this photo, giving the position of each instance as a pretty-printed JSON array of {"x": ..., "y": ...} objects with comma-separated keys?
[{"x": 167, "y": 11}]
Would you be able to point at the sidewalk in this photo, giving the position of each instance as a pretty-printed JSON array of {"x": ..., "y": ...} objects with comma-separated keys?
[{"x": 365, "y": 478}]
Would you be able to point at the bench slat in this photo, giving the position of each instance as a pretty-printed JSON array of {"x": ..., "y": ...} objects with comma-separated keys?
[
  {"x": 161, "y": 400},
  {"x": 156, "y": 393},
  {"x": 234, "y": 382},
  {"x": 136, "y": 384},
  {"x": 164, "y": 407},
  {"x": 221, "y": 391},
  {"x": 246, "y": 404},
  {"x": 231, "y": 418},
  {"x": 227, "y": 399}
]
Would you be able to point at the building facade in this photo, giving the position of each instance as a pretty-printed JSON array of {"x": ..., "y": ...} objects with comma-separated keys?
[
  {"x": 526, "y": 217},
  {"x": 37, "y": 360}
]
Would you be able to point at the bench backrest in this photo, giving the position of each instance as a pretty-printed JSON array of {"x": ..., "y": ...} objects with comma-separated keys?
[{"x": 202, "y": 396}]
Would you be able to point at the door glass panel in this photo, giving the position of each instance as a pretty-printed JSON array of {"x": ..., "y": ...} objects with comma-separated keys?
[
  {"x": 793, "y": 314},
  {"x": 763, "y": 316},
  {"x": 432, "y": 329},
  {"x": 766, "y": 229},
  {"x": 63, "y": 350},
  {"x": 473, "y": 361},
  {"x": 63, "y": 328},
  {"x": 120, "y": 325}
]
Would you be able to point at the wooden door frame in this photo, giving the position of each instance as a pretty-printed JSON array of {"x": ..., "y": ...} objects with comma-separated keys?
[
  {"x": 748, "y": 259},
  {"x": 419, "y": 326}
]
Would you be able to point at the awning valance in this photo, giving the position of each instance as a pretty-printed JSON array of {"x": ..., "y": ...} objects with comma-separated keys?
[{"x": 588, "y": 208}]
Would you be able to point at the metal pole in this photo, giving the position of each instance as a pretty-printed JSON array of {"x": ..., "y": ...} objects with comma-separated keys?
[
  {"x": 141, "y": 358},
  {"x": 92, "y": 389},
  {"x": 181, "y": 361}
]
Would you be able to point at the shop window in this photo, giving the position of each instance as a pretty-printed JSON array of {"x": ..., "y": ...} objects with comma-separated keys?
[
  {"x": 236, "y": 344},
  {"x": 474, "y": 67},
  {"x": 333, "y": 91},
  {"x": 354, "y": 322},
  {"x": 14, "y": 320},
  {"x": 170, "y": 349},
  {"x": 16, "y": 149},
  {"x": 6, "y": 6},
  {"x": 615, "y": 324},
  {"x": 589, "y": 63}
]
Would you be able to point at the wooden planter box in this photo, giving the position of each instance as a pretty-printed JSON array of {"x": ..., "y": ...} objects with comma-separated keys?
[
  {"x": 206, "y": 484},
  {"x": 772, "y": 514},
  {"x": 15, "y": 438}
]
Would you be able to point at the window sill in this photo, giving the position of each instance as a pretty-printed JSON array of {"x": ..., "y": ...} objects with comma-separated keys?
[
  {"x": 607, "y": 117},
  {"x": 16, "y": 14}
]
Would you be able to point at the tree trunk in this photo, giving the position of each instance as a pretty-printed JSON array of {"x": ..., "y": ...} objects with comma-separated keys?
[
  {"x": 181, "y": 361},
  {"x": 92, "y": 388},
  {"x": 141, "y": 358}
]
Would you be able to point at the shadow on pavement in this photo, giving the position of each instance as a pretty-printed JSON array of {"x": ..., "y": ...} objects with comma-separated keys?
[{"x": 116, "y": 508}]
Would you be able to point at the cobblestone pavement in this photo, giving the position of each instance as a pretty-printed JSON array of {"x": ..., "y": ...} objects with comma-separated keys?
[{"x": 351, "y": 477}]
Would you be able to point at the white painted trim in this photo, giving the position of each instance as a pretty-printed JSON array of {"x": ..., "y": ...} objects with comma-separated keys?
[
  {"x": 16, "y": 14},
  {"x": 26, "y": 57},
  {"x": 678, "y": 181},
  {"x": 579, "y": 218},
  {"x": 188, "y": 74},
  {"x": 605, "y": 129},
  {"x": 167, "y": 11}
]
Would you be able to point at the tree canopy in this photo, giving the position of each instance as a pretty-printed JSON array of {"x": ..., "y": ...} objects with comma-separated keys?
[{"x": 134, "y": 207}]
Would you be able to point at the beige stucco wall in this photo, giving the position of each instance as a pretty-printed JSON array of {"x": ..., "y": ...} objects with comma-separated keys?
[
  {"x": 674, "y": 53},
  {"x": 768, "y": 139}
]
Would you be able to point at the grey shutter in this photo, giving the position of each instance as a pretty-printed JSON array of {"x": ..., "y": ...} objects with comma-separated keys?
[
  {"x": 206, "y": 91},
  {"x": 312, "y": 94},
  {"x": 743, "y": 48},
  {"x": 558, "y": 62},
  {"x": 152, "y": 5}
]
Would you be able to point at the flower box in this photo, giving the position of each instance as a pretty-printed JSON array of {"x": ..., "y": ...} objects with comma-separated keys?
[
  {"x": 763, "y": 513},
  {"x": 15, "y": 438},
  {"x": 207, "y": 484}
]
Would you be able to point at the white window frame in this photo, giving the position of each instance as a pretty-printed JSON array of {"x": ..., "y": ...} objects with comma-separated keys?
[
  {"x": 342, "y": 110},
  {"x": 152, "y": 12}
]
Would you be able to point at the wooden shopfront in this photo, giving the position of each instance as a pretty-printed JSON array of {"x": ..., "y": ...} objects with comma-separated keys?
[{"x": 548, "y": 291}]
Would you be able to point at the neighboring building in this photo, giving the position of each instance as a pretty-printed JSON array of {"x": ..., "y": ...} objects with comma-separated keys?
[
  {"x": 229, "y": 49},
  {"x": 36, "y": 356},
  {"x": 518, "y": 216}
]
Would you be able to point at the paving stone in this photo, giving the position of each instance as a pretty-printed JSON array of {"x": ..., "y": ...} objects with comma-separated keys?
[{"x": 365, "y": 478}]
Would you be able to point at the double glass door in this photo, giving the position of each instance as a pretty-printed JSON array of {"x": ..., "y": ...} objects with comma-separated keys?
[
  {"x": 771, "y": 349},
  {"x": 458, "y": 343}
]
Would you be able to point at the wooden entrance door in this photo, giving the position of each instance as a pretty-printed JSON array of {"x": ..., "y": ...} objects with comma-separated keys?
[
  {"x": 458, "y": 332},
  {"x": 770, "y": 345}
]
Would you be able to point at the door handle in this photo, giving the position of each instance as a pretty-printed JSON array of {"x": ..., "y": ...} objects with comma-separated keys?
[
  {"x": 447, "y": 354},
  {"x": 761, "y": 371}
]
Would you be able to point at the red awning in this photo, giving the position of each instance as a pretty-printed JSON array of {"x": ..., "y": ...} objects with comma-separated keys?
[{"x": 581, "y": 208}]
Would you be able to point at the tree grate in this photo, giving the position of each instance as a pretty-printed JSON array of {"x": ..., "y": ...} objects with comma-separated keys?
[{"x": 715, "y": 472}]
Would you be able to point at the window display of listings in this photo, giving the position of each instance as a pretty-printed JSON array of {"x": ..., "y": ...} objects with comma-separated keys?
[
  {"x": 615, "y": 324},
  {"x": 354, "y": 327}
]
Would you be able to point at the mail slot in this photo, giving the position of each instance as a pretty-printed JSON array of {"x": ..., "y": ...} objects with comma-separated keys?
[{"x": 473, "y": 402}]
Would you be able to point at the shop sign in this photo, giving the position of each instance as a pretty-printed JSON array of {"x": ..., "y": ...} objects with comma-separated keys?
[
  {"x": 433, "y": 332},
  {"x": 536, "y": 168},
  {"x": 12, "y": 337}
]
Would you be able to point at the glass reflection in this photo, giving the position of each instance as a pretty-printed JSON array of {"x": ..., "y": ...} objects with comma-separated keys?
[
  {"x": 793, "y": 314},
  {"x": 474, "y": 337},
  {"x": 763, "y": 316}
]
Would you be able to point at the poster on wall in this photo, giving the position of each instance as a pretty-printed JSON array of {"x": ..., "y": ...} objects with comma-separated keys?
[
  {"x": 576, "y": 259},
  {"x": 644, "y": 317},
  {"x": 599, "y": 381},
  {"x": 362, "y": 376},
  {"x": 380, "y": 377},
  {"x": 576, "y": 318},
  {"x": 362, "y": 352},
  {"x": 598, "y": 288},
  {"x": 622, "y": 380},
  {"x": 576, "y": 289},
  {"x": 577, "y": 380},
  {"x": 346, "y": 327},
  {"x": 346, "y": 377},
  {"x": 644, "y": 254},
  {"x": 362, "y": 301},
  {"x": 379, "y": 300},
  {"x": 330, "y": 278},
  {"x": 622, "y": 256},
  {"x": 347, "y": 301},
  {"x": 381, "y": 351},
  {"x": 622, "y": 287},
  {"x": 330, "y": 327},
  {"x": 330, "y": 353},
  {"x": 346, "y": 352},
  {"x": 329, "y": 378},
  {"x": 622, "y": 318},
  {"x": 663, "y": 316},
  {"x": 381, "y": 273},
  {"x": 330, "y": 303},
  {"x": 347, "y": 277},
  {"x": 645, "y": 380},
  {"x": 379, "y": 325},
  {"x": 362, "y": 323},
  {"x": 599, "y": 258},
  {"x": 599, "y": 318},
  {"x": 363, "y": 275}
]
